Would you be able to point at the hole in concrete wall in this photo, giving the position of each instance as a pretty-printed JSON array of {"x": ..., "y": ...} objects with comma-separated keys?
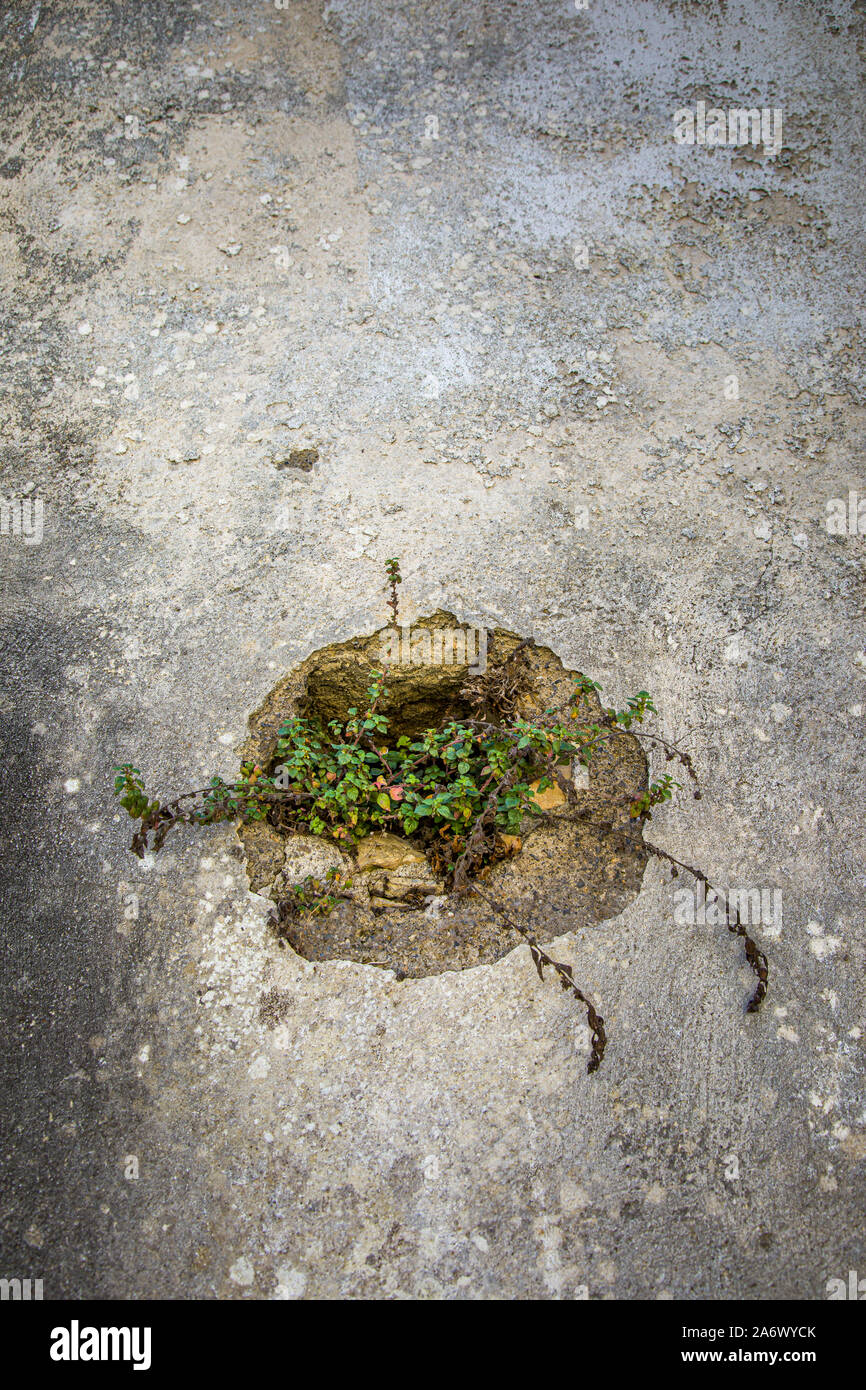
[{"x": 400, "y": 915}]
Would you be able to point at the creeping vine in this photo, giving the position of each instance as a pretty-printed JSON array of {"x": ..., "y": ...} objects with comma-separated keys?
[{"x": 456, "y": 791}]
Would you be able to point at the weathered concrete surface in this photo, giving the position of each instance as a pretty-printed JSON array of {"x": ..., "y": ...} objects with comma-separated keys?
[{"x": 228, "y": 232}]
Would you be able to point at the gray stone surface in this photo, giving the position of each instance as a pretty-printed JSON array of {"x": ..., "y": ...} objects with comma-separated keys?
[{"x": 455, "y": 249}]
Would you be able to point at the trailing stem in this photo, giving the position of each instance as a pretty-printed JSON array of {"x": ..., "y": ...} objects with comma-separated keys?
[
  {"x": 756, "y": 958},
  {"x": 564, "y": 972}
]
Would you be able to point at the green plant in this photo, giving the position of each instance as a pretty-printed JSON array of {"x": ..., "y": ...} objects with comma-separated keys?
[
  {"x": 393, "y": 578},
  {"x": 455, "y": 790},
  {"x": 350, "y": 779},
  {"x": 655, "y": 794},
  {"x": 317, "y": 897}
]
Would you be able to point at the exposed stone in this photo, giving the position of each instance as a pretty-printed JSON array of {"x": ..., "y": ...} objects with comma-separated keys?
[
  {"x": 408, "y": 881},
  {"x": 550, "y": 798},
  {"x": 307, "y": 854},
  {"x": 336, "y": 678},
  {"x": 266, "y": 852},
  {"x": 384, "y": 851}
]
